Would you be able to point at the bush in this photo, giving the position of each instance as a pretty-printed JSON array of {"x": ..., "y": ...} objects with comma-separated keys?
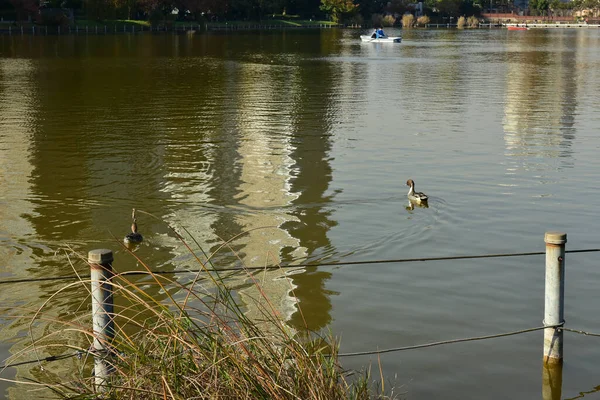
[
  {"x": 356, "y": 19},
  {"x": 388, "y": 20},
  {"x": 423, "y": 20},
  {"x": 408, "y": 20},
  {"x": 473, "y": 21},
  {"x": 53, "y": 17},
  {"x": 197, "y": 343},
  {"x": 377, "y": 19},
  {"x": 461, "y": 22}
]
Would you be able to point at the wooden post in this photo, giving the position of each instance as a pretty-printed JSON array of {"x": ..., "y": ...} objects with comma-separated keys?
[
  {"x": 555, "y": 296},
  {"x": 102, "y": 313}
]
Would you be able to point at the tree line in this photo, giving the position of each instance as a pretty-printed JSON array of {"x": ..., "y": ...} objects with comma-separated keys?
[{"x": 341, "y": 11}]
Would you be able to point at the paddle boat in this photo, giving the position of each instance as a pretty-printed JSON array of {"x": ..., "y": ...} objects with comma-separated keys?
[
  {"x": 517, "y": 28},
  {"x": 383, "y": 39}
]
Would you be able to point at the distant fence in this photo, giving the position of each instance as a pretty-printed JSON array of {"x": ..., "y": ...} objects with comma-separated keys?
[
  {"x": 249, "y": 27},
  {"x": 114, "y": 29},
  {"x": 96, "y": 30},
  {"x": 517, "y": 17}
]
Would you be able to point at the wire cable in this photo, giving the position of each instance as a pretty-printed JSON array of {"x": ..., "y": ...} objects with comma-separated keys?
[
  {"x": 580, "y": 332},
  {"x": 325, "y": 264},
  {"x": 470, "y": 339},
  {"x": 50, "y": 358}
]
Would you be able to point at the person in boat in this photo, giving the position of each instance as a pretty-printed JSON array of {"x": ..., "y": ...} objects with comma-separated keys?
[
  {"x": 380, "y": 33},
  {"x": 374, "y": 35}
]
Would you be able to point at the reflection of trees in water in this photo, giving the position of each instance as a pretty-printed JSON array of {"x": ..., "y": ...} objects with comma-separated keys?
[
  {"x": 274, "y": 155},
  {"x": 311, "y": 182},
  {"x": 541, "y": 100},
  {"x": 263, "y": 155},
  {"x": 17, "y": 121}
]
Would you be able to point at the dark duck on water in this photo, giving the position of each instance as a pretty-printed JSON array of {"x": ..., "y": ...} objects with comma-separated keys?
[{"x": 134, "y": 237}]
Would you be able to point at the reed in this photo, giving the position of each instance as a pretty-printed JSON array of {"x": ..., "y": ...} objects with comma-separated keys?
[
  {"x": 198, "y": 342},
  {"x": 423, "y": 20},
  {"x": 408, "y": 21},
  {"x": 388, "y": 20},
  {"x": 473, "y": 21}
]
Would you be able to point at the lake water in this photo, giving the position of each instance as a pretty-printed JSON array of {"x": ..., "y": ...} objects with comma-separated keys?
[{"x": 306, "y": 139}]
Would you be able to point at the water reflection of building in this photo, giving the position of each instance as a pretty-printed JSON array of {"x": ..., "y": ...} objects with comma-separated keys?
[
  {"x": 18, "y": 239},
  {"x": 264, "y": 104},
  {"x": 312, "y": 126},
  {"x": 17, "y": 101},
  {"x": 541, "y": 98}
]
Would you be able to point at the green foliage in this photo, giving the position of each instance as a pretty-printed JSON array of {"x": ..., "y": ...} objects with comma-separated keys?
[
  {"x": 539, "y": 7},
  {"x": 338, "y": 8},
  {"x": 24, "y": 8},
  {"x": 377, "y": 19},
  {"x": 399, "y": 7},
  {"x": 53, "y": 17},
  {"x": 448, "y": 7},
  {"x": 356, "y": 19},
  {"x": 593, "y": 5},
  {"x": 260, "y": 10}
]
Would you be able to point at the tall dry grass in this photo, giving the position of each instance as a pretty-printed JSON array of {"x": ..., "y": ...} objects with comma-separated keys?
[
  {"x": 198, "y": 343},
  {"x": 388, "y": 20},
  {"x": 473, "y": 21},
  {"x": 423, "y": 20},
  {"x": 408, "y": 20}
]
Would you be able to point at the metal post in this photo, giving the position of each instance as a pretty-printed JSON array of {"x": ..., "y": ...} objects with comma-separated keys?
[
  {"x": 555, "y": 296},
  {"x": 552, "y": 381},
  {"x": 102, "y": 313}
]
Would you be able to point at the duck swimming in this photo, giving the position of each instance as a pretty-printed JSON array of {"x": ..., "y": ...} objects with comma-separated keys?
[
  {"x": 134, "y": 237},
  {"x": 417, "y": 197}
]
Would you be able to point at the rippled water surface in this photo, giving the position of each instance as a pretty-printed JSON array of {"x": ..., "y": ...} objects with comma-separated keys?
[{"x": 310, "y": 136}]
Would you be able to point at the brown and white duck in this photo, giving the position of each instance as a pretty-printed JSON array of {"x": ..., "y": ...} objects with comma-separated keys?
[{"x": 417, "y": 197}]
